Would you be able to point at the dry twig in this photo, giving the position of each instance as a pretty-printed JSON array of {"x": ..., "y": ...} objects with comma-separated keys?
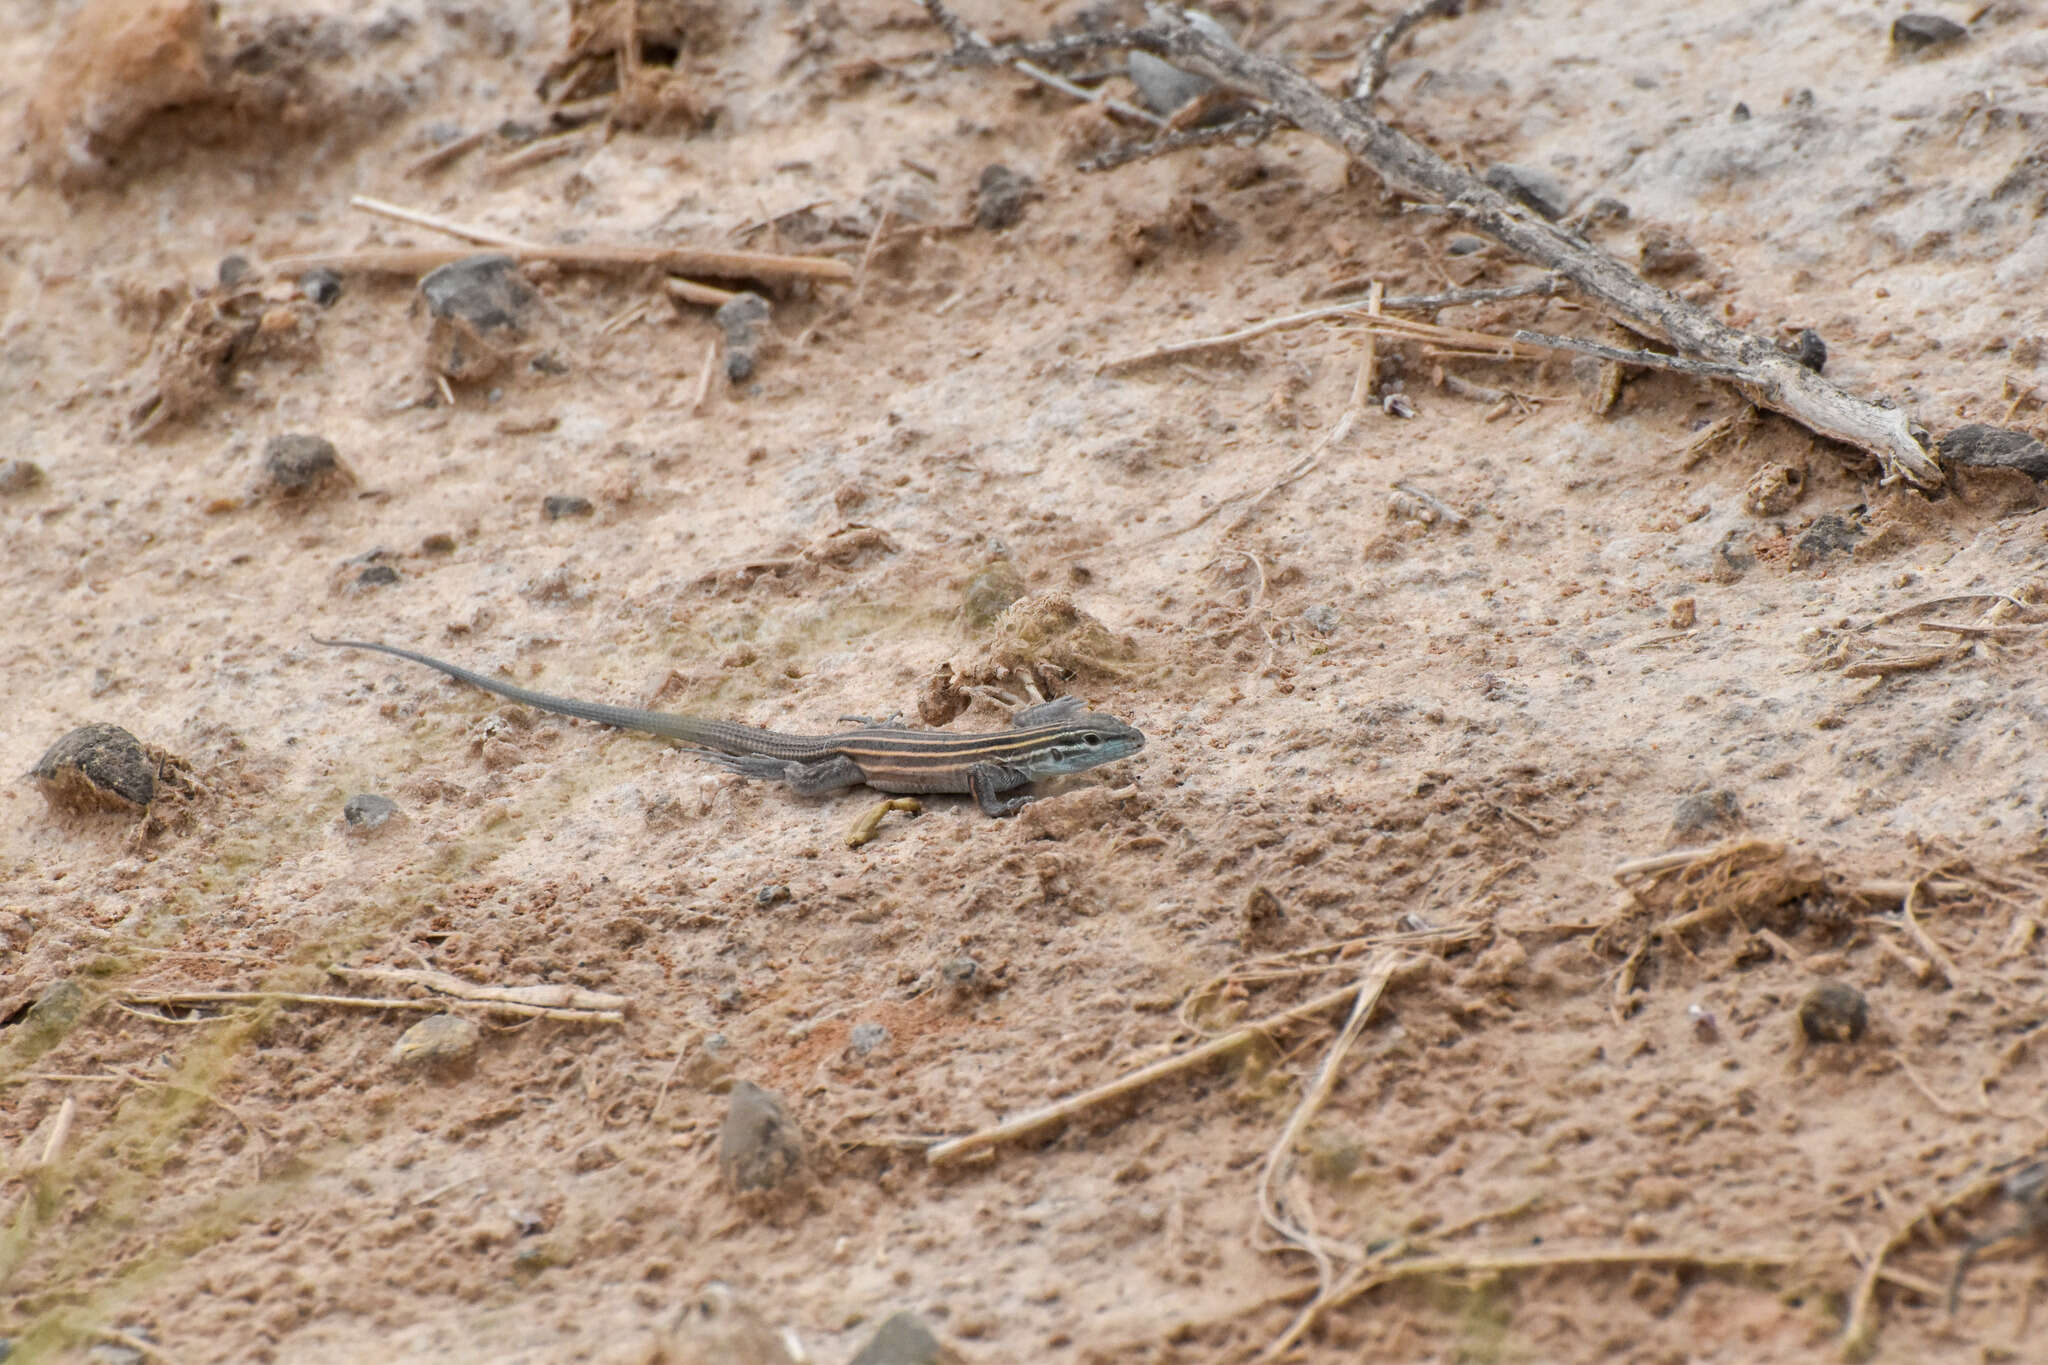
[{"x": 1767, "y": 375}]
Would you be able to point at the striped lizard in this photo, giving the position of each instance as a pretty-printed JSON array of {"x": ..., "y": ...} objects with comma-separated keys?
[{"x": 1050, "y": 739}]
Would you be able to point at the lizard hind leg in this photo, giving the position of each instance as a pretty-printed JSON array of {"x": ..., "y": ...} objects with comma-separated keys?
[{"x": 805, "y": 779}]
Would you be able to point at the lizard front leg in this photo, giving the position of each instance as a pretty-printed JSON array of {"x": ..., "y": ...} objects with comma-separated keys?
[{"x": 987, "y": 782}]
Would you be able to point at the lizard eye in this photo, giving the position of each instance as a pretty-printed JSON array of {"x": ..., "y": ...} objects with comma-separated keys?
[{"x": 1091, "y": 739}]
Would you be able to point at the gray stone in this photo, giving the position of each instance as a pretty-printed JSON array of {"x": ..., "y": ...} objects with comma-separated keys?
[
  {"x": 367, "y": 811},
  {"x": 298, "y": 461},
  {"x": 1834, "y": 1013},
  {"x": 904, "y": 1340},
  {"x": 1992, "y": 447},
  {"x": 1918, "y": 32},
  {"x": 743, "y": 319},
  {"x": 759, "y": 1145}
]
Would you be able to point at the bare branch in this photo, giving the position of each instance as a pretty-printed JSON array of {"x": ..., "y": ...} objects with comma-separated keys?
[
  {"x": 1764, "y": 374},
  {"x": 1372, "y": 68}
]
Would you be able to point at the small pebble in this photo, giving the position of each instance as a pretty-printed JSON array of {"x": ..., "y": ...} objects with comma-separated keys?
[
  {"x": 439, "y": 1040},
  {"x": 1531, "y": 188},
  {"x": 999, "y": 198},
  {"x": 1705, "y": 1027},
  {"x": 479, "y": 306},
  {"x": 19, "y": 476},
  {"x": 97, "y": 767},
  {"x": 438, "y": 543},
  {"x": 759, "y": 1145},
  {"x": 558, "y": 505},
  {"x": 1918, "y": 32},
  {"x": 1681, "y": 613},
  {"x": 368, "y": 811},
  {"x": 1322, "y": 618},
  {"x": 231, "y": 271},
  {"x": 486, "y": 291},
  {"x": 1834, "y": 1013},
  {"x": 1163, "y": 87},
  {"x": 1809, "y": 350},
  {"x": 774, "y": 893},
  {"x": 904, "y": 1339},
  {"x": 297, "y": 462},
  {"x": 867, "y": 1039},
  {"x": 1464, "y": 244},
  {"x": 377, "y": 576},
  {"x": 1704, "y": 813},
  {"x": 322, "y": 285},
  {"x": 743, "y": 320},
  {"x": 960, "y": 972},
  {"x": 1739, "y": 114}
]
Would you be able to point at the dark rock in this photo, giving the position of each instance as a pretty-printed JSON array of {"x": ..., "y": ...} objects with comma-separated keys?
[
  {"x": 904, "y": 1340},
  {"x": 558, "y": 505},
  {"x": 377, "y": 576},
  {"x": 1809, "y": 350},
  {"x": 1704, "y": 813},
  {"x": 479, "y": 306},
  {"x": 437, "y": 543},
  {"x": 299, "y": 461},
  {"x": 1534, "y": 189},
  {"x": 775, "y": 893},
  {"x": 322, "y": 285},
  {"x": 231, "y": 271},
  {"x": 743, "y": 319},
  {"x": 999, "y": 198},
  {"x": 759, "y": 1145},
  {"x": 97, "y": 767},
  {"x": 1464, "y": 244},
  {"x": 19, "y": 476},
  {"x": 1740, "y": 113},
  {"x": 1828, "y": 536},
  {"x": 486, "y": 291},
  {"x": 368, "y": 811},
  {"x": 1834, "y": 1013},
  {"x": 1996, "y": 448},
  {"x": 1918, "y": 32},
  {"x": 961, "y": 973}
]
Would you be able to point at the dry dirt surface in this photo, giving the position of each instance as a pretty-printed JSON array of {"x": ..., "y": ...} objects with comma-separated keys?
[{"x": 1648, "y": 802}]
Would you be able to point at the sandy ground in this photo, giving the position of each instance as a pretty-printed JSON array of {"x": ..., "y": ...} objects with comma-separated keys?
[{"x": 1382, "y": 735}]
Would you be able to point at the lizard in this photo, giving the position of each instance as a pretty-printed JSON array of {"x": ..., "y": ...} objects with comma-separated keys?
[{"x": 1048, "y": 739}]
